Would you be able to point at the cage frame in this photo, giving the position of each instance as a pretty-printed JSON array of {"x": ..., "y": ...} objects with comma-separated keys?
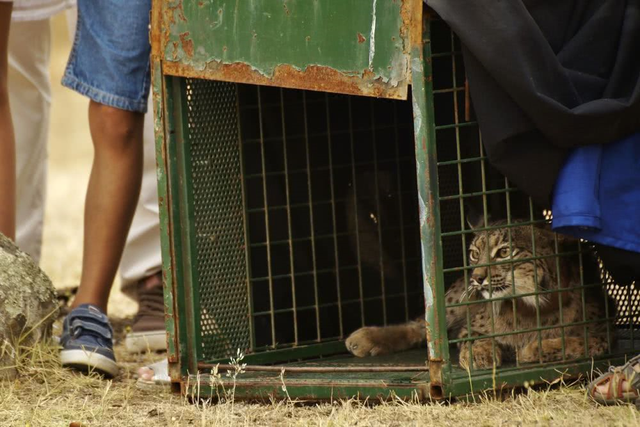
[{"x": 438, "y": 379}]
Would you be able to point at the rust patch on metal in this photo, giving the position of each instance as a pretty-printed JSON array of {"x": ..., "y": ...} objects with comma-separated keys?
[
  {"x": 435, "y": 373},
  {"x": 314, "y": 77},
  {"x": 407, "y": 8},
  {"x": 187, "y": 44},
  {"x": 166, "y": 20},
  {"x": 361, "y": 38}
]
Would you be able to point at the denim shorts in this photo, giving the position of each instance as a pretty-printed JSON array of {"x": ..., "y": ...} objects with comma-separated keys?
[{"x": 110, "y": 59}]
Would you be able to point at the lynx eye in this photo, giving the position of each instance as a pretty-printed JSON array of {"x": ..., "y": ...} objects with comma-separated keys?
[
  {"x": 504, "y": 253},
  {"x": 473, "y": 255}
]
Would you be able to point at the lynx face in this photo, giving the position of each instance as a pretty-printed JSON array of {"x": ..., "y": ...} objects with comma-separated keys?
[{"x": 508, "y": 277}]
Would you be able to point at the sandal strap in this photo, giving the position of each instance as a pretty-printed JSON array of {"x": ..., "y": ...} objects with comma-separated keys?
[{"x": 628, "y": 372}]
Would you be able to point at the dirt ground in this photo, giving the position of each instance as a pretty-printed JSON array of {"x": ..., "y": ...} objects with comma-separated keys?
[{"x": 46, "y": 395}]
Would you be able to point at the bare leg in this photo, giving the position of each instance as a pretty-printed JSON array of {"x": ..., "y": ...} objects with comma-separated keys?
[
  {"x": 114, "y": 187},
  {"x": 7, "y": 141}
]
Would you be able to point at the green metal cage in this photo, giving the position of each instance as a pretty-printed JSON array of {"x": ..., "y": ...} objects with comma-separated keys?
[{"x": 306, "y": 192}]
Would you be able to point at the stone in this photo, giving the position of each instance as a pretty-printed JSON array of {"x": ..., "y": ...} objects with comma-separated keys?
[{"x": 28, "y": 305}]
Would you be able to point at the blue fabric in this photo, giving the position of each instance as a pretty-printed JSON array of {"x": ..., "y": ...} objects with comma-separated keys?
[
  {"x": 597, "y": 194},
  {"x": 110, "y": 58}
]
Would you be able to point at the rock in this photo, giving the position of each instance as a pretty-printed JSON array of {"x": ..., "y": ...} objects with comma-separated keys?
[{"x": 28, "y": 305}]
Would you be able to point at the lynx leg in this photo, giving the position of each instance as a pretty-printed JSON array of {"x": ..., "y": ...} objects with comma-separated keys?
[
  {"x": 483, "y": 356},
  {"x": 458, "y": 292},
  {"x": 552, "y": 349},
  {"x": 376, "y": 340}
]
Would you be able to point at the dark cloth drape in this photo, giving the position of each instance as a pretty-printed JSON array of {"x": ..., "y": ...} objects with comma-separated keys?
[{"x": 547, "y": 76}]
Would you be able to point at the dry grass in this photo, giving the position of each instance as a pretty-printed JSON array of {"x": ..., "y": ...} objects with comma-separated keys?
[{"x": 46, "y": 395}]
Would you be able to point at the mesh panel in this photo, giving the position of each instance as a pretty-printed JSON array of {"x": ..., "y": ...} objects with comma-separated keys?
[
  {"x": 566, "y": 310},
  {"x": 217, "y": 206}
]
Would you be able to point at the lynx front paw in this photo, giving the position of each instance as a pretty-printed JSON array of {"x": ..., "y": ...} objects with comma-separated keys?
[
  {"x": 368, "y": 341},
  {"x": 482, "y": 355}
]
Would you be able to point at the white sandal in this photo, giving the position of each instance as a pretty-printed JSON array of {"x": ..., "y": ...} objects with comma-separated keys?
[{"x": 159, "y": 378}]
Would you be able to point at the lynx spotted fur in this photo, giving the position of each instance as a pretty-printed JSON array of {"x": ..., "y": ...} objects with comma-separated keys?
[{"x": 523, "y": 288}]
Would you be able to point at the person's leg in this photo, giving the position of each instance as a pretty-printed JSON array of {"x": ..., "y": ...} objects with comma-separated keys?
[
  {"x": 30, "y": 97},
  {"x": 109, "y": 64},
  {"x": 140, "y": 269},
  {"x": 7, "y": 143},
  {"x": 114, "y": 187}
]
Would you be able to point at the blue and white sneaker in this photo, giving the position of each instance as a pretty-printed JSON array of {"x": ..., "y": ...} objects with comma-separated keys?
[{"x": 87, "y": 342}]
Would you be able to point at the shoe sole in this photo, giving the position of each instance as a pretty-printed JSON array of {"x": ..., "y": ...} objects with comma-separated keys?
[
  {"x": 88, "y": 362},
  {"x": 141, "y": 342}
]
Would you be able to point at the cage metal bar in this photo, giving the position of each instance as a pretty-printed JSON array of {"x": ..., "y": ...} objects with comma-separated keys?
[
  {"x": 489, "y": 251},
  {"x": 537, "y": 329},
  {"x": 535, "y": 278},
  {"x": 289, "y": 228},
  {"x": 313, "y": 134},
  {"x": 298, "y": 205},
  {"x": 321, "y": 168},
  {"x": 245, "y": 222},
  {"x": 451, "y": 126},
  {"x": 170, "y": 231},
  {"x": 329, "y": 304},
  {"x": 378, "y": 222},
  {"x": 561, "y": 314},
  {"x": 487, "y": 264},
  {"x": 355, "y": 203},
  {"x": 458, "y": 163},
  {"x": 333, "y": 216},
  {"x": 311, "y": 272},
  {"x": 323, "y": 369},
  {"x": 427, "y": 181},
  {"x": 514, "y": 306},
  {"x": 584, "y": 305},
  {"x": 266, "y": 217},
  {"x": 605, "y": 296},
  {"x": 401, "y": 211},
  {"x": 527, "y": 294},
  {"x": 465, "y": 160},
  {"x": 495, "y": 227},
  {"x": 313, "y": 241},
  {"x": 479, "y": 193},
  {"x": 307, "y": 239},
  {"x": 185, "y": 217}
]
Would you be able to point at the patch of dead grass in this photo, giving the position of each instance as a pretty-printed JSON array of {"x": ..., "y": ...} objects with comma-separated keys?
[{"x": 47, "y": 395}]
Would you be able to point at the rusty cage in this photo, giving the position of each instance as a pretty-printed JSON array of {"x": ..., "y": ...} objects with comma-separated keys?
[{"x": 316, "y": 170}]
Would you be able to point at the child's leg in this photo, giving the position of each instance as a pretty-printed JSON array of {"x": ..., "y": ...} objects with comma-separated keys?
[
  {"x": 114, "y": 187},
  {"x": 7, "y": 143},
  {"x": 109, "y": 63}
]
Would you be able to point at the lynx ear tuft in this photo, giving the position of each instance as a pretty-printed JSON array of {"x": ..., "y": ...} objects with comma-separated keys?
[{"x": 475, "y": 217}]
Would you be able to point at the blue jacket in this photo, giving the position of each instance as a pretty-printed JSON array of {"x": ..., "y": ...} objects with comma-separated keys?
[{"x": 597, "y": 194}]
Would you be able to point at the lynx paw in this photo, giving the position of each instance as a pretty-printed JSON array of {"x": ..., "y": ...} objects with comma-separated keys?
[
  {"x": 482, "y": 355},
  {"x": 368, "y": 341}
]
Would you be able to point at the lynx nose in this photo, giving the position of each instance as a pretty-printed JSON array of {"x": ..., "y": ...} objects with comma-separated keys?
[{"x": 479, "y": 278}]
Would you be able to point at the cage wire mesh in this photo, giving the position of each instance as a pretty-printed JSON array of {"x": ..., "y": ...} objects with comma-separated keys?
[
  {"x": 306, "y": 221},
  {"x": 332, "y": 223},
  {"x": 471, "y": 191},
  {"x": 220, "y": 264}
]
